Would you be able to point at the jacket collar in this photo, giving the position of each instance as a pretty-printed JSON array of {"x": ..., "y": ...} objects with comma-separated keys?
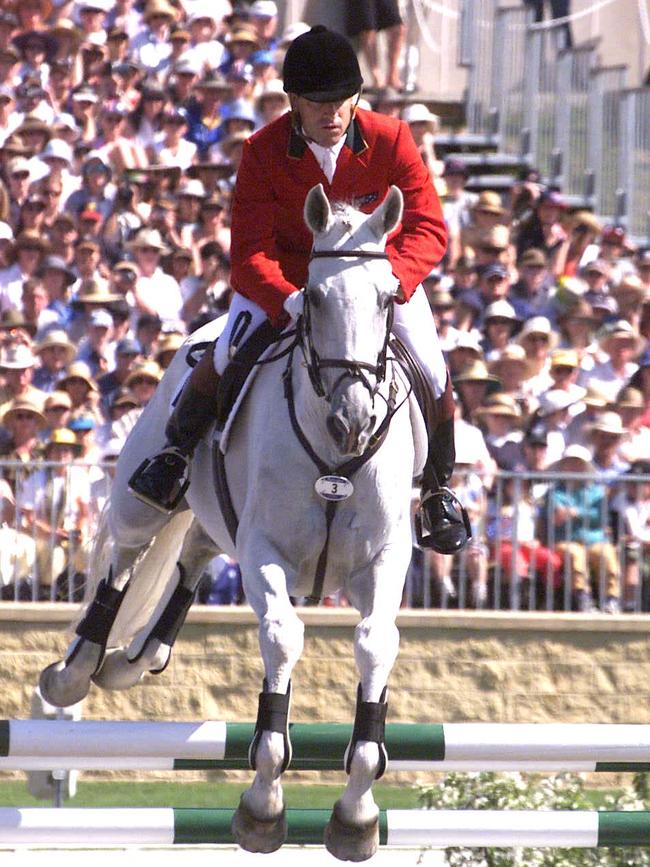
[{"x": 354, "y": 140}]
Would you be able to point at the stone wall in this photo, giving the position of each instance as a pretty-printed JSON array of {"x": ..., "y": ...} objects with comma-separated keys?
[{"x": 490, "y": 667}]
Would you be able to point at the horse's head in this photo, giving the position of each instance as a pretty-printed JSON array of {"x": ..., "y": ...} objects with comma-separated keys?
[{"x": 347, "y": 311}]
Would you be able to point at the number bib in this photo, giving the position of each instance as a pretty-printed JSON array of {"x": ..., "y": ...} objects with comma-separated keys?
[{"x": 334, "y": 487}]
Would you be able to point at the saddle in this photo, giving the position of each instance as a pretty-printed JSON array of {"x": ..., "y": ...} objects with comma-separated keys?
[{"x": 417, "y": 378}]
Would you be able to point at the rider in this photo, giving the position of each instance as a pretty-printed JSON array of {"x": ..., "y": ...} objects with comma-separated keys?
[{"x": 356, "y": 155}]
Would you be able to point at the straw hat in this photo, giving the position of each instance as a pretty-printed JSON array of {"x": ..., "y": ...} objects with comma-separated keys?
[
  {"x": 160, "y": 7},
  {"x": 57, "y": 338},
  {"x": 91, "y": 292},
  {"x": 596, "y": 396},
  {"x": 476, "y": 371},
  {"x": 490, "y": 202},
  {"x": 169, "y": 343},
  {"x": 58, "y": 398},
  {"x": 23, "y": 404},
  {"x": 577, "y": 453},
  {"x": 512, "y": 354},
  {"x": 630, "y": 398},
  {"x": 500, "y": 404},
  {"x": 538, "y": 325},
  {"x": 608, "y": 422},
  {"x": 564, "y": 358},
  {"x": 148, "y": 238},
  {"x": 78, "y": 370},
  {"x": 617, "y": 331},
  {"x": 146, "y": 370},
  {"x": 16, "y": 357},
  {"x": 588, "y": 220},
  {"x": 123, "y": 397}
]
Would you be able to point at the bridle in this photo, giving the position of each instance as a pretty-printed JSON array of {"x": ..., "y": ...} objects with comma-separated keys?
[{"x": 350, "y": 367}]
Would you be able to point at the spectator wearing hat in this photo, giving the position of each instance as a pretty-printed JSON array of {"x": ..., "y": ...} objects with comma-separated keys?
[
  {"x": 56, "y": 410},
  {"x": 493, "y": 285},
  {"x": 500, "y": 417},
  {"x": 84, "y": 425},
  {"x": 614, "y": 250},
  {"x": 487, "y": 212},
  {"x": 595, "y": 401},
  {"x": 263, "y": 17},
  {"x": 242, "y": 42},
  {"x": 596, "y": 274},
  {"x": 143, "y": 380},
  {"x": 533, "y": 456},
  {"x": 154, "y": 291},
  {"x": 96, "y": 349},
  {"x": 181, "y": 80},
  {"x": 530, "y": 294},
  {"x": 538, "y": 338},
  {"x": 59, "y": 183},
  {"x": 32, "y": 214},
  {"x": 579, "y": 509},
  {"x": 189, "y": 196},
  {"x": 148, "y": 328},
  {"x": 210, "y": 292},
  {"x": 630, "y": 406},
  {"x": 145, "y": 119},
  {"x": 151, "y": 47},
  {"x": 204, "y": 116},
  {"x": 264, "y": 68},
  {"x": 122, "y": 412},
  {"x": 564, "y": 370},
  {"x": 212, "y": 225},
  {"x": 621, "y": 344},
  {"x": 466, "y": 350},
  {"x": 629, "y": 295},
  {"x": 27, "y": 252},
  {"x": 365, "y": 20},
  {"x": 170, "y": 147},
  {"x": 127, "y": 353},
  {"x": 442, "y": 306},
  {"x": 553, "y": 411},
  {"x": 512, "y": 369},
  {"x": 271, "y": 101},
  {"x": 37, "y": 50},
  {"x": 18, "y": 176},
  {"x": 123, "y": 222},
  {"x": 576, "y": 326},
  {"x": 543, "y": 229},
  {"x": 124, "y": 16},
  {"x": 423, "y": 125},
  {"x": 89, "y": 268},
  {"x": 6, "y": 244},
  {"x": 54, "y": 503},
  {"x": 205, "y": 50},
  {"x": 38, "y": 318},
  {"x": 56, "y": 279},
  {"x": 581, "y": 246},
  {"x": 114, "y": 145},
  {"x": 82, "y": 389},
  {"x": 168, "y": 346},
  {"x": 23, "y": 419},
  {"x": 238, "y": 116},
  {"x": 606, "y": 434},
  {"x": 94, "y": 189},
  {"x": 500, "y": 323},
  {"x": 473, "y": 384}
]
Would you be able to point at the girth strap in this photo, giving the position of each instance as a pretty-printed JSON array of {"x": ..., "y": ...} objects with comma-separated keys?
[
  {"x": 272, "y": 716},
  {"x": 369, "y": 725},
  {"x": 100, "y": 616}
]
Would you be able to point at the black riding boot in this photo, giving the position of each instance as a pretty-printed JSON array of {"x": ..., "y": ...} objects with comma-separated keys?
[
  {"x": 441, "y": 523},
  {"x": 161, "y": 481}
]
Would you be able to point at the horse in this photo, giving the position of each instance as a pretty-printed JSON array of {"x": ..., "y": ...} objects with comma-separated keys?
[{"x": 318, "y": 470}]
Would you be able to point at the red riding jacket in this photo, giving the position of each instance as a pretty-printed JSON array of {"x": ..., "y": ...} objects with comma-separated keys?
[{"x": 270, "y": 244}]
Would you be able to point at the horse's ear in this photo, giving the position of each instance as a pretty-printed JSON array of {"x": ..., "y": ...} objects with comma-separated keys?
[
  {"x": 317, "y": 212},
  {"x": 388, "y": 215}
]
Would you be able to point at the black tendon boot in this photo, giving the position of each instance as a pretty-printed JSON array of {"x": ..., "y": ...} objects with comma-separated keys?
[
  {"x": 441, "y": 523},
  {"x": 161, "y": 481}
]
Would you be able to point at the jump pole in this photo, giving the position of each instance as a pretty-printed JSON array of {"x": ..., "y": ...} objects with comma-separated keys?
[
  {"x": 153, "y": 745},
  {"x": 168, "y": 826}
]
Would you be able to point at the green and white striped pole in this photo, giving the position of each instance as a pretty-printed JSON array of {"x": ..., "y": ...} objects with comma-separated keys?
[
  {"x": 166, "y": 826},
  {"x": 151, "y": 745}
]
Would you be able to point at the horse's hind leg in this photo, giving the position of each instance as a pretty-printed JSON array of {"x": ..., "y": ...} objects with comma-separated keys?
[
  {"x": 150, "y": 650},
  {"x": 259, "y": 824},
  {"x": 66, "y": 682},
  {"x": 352, "y": 833}
]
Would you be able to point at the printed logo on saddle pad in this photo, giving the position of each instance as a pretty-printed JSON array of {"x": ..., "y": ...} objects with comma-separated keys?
[{"x": 334, "y": 488}]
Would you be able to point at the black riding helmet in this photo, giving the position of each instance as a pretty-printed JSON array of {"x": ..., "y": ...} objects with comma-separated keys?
[{"x": 321, "y": 66}]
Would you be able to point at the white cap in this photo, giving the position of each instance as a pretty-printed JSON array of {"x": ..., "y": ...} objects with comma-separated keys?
[
  {"x": 419, "y": 113},
  {"x": 192, "y": 188},
  {"x": 554, "y": 400},
  {"x": 293, "y": 31},
  {"x": 500, "y": 309},
  {"x": 263, "y": 9},
  {"x": 57, "y": 149},
  {"x": 6, "y": 232}
]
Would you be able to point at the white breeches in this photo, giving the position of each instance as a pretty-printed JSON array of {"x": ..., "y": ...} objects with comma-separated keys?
[
  {"x": 416, "y": 328},
  {"x": 413, "y": 324}
]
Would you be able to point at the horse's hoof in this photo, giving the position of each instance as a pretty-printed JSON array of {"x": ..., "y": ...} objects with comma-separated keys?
[
  {"x": 351, "y": 842},
  {"x": 67, "y": 682},
  {"x": 258, "y": 835},
  {"x": 118, "y": 672}
]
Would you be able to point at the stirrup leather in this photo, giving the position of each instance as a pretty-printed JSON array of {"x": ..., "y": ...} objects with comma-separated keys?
[{"x": 169, "y": 460}]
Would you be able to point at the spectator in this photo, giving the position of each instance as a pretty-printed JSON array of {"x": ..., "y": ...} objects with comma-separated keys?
[
  {"x": 365, "y": 20},
  {"x": 222, "y": 584},
  {"x": 630, "y": 406},
  {"x": 512, "y": 369},
  {"x": 55, "y": 352},
  {"x": 154, "y": 292},
  {"x": 538, "y": 338},
  {"x": 531, "y": 294},
  {"x": 151, "y": 47},
  {"x": 614, "y": 250},
  {"x": 606, "y": 434},
  {"x": 443, "y": 307},
  {"x": 423, "y": 125},
  {"x": 28, "y": 250},
  {"x": 271, "y": 101},
  {"x": 501, "y": 416},
  {"x": 17, "y": 368},
  {"x": 81, "y": 388},
  {"x": 143, "y": 380},
  {"x": 621, "y": 344},
  {"x": 500, "y": 323},
  {"x": 543, "y": 230},
  {"x": 486, "y": 213},
  {"x": 554, "y": 413},
  {"x": 636, "y": 517},
  {"x": 127, "y": 352},
  {"x": 581, "y": 245},
  {"x": 473, "y": 385},
  {"x": 168, "y": 346},
  {"x": 122, "y": 404},
  {"x": 56, "y": 410},
  {"x": 54, "y": 503},
  {"x": 96, "y": 350},
  {"x": 22, "y": 418},
  {"x": 579, "y": 511},
  {"x": 564, "y": 370}
]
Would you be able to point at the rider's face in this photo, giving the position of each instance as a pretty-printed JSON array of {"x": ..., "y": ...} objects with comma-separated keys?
[{"x": 324, "y": 122}]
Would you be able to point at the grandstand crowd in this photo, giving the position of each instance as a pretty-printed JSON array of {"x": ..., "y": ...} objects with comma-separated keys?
[{"x": 121, "y": 130}]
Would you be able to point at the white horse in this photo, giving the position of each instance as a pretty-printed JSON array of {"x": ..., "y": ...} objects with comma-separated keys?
[{"x": 319, "y": 466}]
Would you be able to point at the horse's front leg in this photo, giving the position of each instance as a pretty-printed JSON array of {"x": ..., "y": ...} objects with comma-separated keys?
[
  {"x": 352, "y": 833},
  {"x": 259, "y": 824}
]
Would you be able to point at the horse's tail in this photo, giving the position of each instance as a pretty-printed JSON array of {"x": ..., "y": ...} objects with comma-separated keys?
[{"x": 151, "y": 580}]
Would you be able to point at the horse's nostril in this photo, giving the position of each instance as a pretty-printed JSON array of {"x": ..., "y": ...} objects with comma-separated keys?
[{"x": 337, "y": 428}]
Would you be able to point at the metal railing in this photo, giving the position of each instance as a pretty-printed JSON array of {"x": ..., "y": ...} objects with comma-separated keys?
[{"x": 569, "y": 117}]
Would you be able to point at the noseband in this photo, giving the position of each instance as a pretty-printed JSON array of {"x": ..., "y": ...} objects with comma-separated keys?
[{"x": 351, "y": 368}]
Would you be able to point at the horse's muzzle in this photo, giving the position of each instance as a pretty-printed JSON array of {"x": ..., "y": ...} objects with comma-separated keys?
[{"x": 350, "y": 436}]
